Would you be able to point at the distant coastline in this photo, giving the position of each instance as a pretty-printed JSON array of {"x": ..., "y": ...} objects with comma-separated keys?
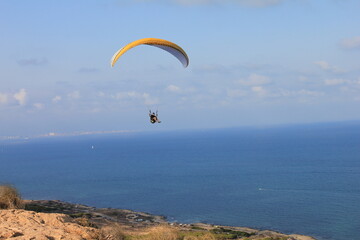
[
  {"x": 255, "y": 127},
  {"x": 100, "y": 217},
  {"x": 71, "y": 134}
]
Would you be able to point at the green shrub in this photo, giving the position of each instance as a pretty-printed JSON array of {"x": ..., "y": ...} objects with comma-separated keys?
[
  {"x": 229, "y": 234},
  {"x": 37, "y": 208},
  {"x": 196, "y": 228}
]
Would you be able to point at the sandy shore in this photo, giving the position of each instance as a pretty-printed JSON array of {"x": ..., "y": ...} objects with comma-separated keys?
[{"x": 50, "y": 219}]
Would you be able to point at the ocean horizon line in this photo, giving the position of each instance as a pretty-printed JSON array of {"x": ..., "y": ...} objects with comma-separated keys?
[{"x": 54, "y": 134}]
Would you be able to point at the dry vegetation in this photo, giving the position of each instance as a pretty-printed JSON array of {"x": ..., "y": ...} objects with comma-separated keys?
[
  {"x": 166, "y": 232},
  {"x": 112, "y": 232},
  {"x": 10, "y": 198},
  {"x": 161, "y": 232}
]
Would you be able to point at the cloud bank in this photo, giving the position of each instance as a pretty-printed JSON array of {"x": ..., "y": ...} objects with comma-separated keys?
[
  {"x": 328, "y": 67},
  {"x": 3, "y": 98},
  {"x": 145, "y": 98},
  {"x": 351, "y": 43},
  {"x": 21, "y": 97},
  {"x": 255, "y": 79}
]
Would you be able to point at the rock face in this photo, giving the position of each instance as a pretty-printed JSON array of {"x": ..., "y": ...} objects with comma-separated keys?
[
  {"x": 29, "y": 225},
  {"x": 97, "y": 216}
]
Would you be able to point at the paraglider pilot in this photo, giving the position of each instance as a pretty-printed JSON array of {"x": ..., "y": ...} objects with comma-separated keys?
[{"x": 154, "y": 117}]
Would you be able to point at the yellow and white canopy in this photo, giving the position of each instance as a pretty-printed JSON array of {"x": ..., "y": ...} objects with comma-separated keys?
[{"x": 168, "y": 46}]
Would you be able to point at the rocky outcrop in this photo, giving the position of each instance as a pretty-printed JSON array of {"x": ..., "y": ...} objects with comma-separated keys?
[{"x": 21, "y": 224}]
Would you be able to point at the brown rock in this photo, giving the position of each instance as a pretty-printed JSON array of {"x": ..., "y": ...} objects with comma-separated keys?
[{"x": 21, "y": 225}]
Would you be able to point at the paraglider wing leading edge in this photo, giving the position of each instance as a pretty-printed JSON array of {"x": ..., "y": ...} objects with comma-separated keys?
[{"x": 168, "y": 46}]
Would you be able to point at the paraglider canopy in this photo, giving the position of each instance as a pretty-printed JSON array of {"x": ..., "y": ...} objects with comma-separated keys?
[{"x": 168, "y": 46}]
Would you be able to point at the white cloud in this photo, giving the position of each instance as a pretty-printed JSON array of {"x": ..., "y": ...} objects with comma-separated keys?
[
  {"x": 3, "y": 98},
  {"x": 146, "y": 98},
  {"x": 335, "y": 81},
  {"x": 310, "y": 93},
  {"x": 74, "y": 95},
  {"x": 179, "y": 90},
  {"x": 56, "y": 99},
  {"x": 352, "y": 88},
  {"x": 21, "y": 97},
  {"x": 254, "y": 80},
  {"x": 39, "y": 106},
  {"x": 120, "y": 95},
  {"x": 127, "y": 95},
  {"x": 351, "y": 43},
  {"x": 327, "y": 67},
  {"x": 340, "y": 81},
  {"x": 133, "y": 94},
  {"x": 302, "y": 92},
  {"x": 259, "y": 90},
  {"x": 173, "y": 88}
]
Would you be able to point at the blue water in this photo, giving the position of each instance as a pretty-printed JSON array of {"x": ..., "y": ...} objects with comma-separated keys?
[{"x": 295, "y": 179}]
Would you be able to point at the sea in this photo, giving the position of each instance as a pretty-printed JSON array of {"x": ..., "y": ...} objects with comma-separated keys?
[{"x": 302, "y": 179}]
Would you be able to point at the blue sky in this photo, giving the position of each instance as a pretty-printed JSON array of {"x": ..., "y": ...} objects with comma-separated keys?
[{"x": 255, "y": 62}]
